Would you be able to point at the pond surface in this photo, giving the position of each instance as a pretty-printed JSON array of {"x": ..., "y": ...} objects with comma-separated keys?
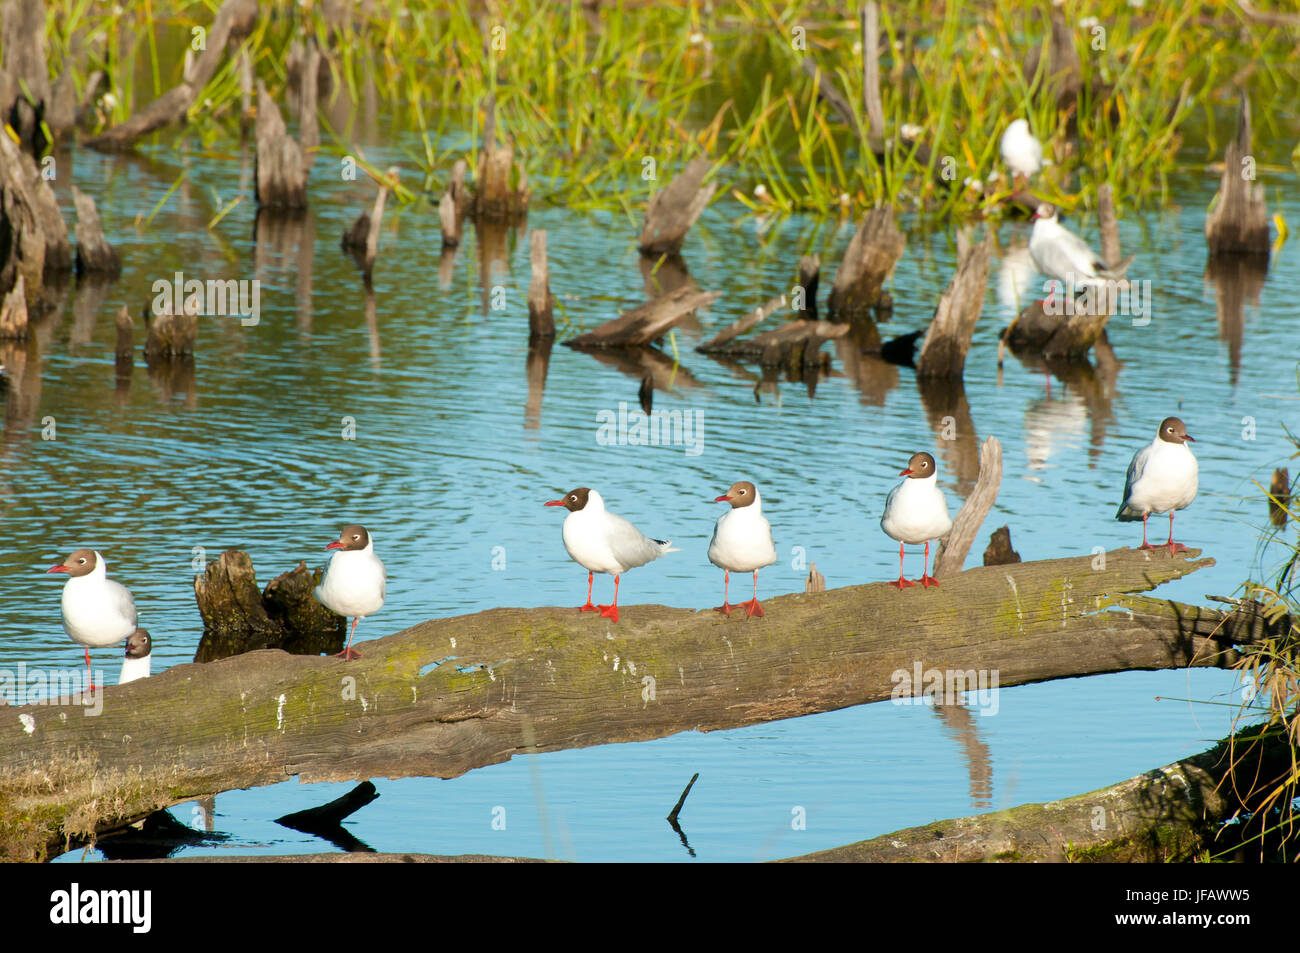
[{"x": 451, "y": 462}]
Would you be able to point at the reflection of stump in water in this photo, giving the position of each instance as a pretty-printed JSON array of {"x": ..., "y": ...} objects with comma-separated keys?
[
  {"x": 169, "y": 351},
  {"x": 948, "y": 413},
  {"x": 664, "y": 274},
  {"x": 873, "y": 376},
  {"x": 238, "y": 618},
  {"x": 494, "y": 239},
  {"x": 20, "y": 386},
  {"x": 123, "y": 354},
  {"x": 1238, "y": 281},
  {"x": 643, "y": 362},
  {"x": 87, "y": 301},
  {"x": 535, "y": 370}
]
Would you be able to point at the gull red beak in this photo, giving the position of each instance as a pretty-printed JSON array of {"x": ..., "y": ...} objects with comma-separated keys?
[
  {"x": 1189, "y": 437},
  {"x": 58, "y": 568},
  {"x": 907, "y": 472},
  {"x": 335, "y": 545},
  {"x": 722, "y": 499},
  {"x": 553, "y": 503}
]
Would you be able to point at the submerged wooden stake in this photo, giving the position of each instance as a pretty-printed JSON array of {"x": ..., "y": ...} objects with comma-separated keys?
[
  {"x": 541, "y": 303},
  {"x": 868, "y": 262},
  {"x": 94, "y": 254},
  {"x": 279, "y": 176}
]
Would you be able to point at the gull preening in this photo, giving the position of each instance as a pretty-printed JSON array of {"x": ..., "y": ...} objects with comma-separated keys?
[
  {"x": 742, "y": 542},
  {"x": 599, "y": 541},
  {"x": 97, "y": 612},
  {"x": 355, "y": 582},
  {"x": 1162, "y": 476},
  {"x": 916, "y": 512}
]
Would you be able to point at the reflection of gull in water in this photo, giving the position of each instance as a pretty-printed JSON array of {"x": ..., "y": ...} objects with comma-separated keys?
[
  {"x": 1015, "y": 274},
  {"x": 1047, "y": 422}
]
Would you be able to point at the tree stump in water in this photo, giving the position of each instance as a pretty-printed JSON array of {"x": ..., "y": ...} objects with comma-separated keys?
[
  {"x": 362, "y": 239},
  {"x": 30, "y": 211},
  {"x": 13, "y": 312},
  {"x": 541, "y": 303},
  {"x": 946, "y": 342},
  {"x": 868, "y": 262},
  {"x": 1237, "y": 223},
  {"x": 673, "y": 209},
  {"x": 171, "y": 336},
  {"x": 94, "y": 254},
  {"x": 999, "y": 551},
  {"x": 496, "y": 197},
  {"x": 237, "y": 618},
  {"x": 26, "y": 98},
  {"x": 281, "y": 182}
]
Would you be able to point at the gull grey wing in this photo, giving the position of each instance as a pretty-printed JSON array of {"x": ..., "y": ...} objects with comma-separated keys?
[
  {"x": 629, "y": 545},
  {"x": 1135, "y": 468},
  {"x": 124, "y": 600}
]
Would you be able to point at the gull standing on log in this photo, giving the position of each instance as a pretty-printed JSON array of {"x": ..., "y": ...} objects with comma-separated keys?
[
  {"x": 916, "y": 512},
  {"x": 97, "y": 612},
  {"x": 599, "y": 541},
  {"x": 1162, "y": 476},
  {"x": 355, "y": 582},
  {"x": 1060, "y": 254},
  {"x": 742, "y": 542}
]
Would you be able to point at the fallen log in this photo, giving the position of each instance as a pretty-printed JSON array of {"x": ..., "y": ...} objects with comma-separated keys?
[
  {"x": 234, "y": 20},
  {"x": 721, "y": 342},
  {"x": 673, "y": 209},
  {"x": 95, "y": 256},
  {"x": 948, "y": 339},
  {"x": 1169, "y": 815},
  {"x": 868, "y": 262},
  {"x": 646, "y": 322},
  {"x": 450, "y": 695},
  {"x": 1237, "y": 222}
]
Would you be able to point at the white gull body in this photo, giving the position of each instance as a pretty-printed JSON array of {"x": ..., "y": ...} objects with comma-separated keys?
[
  {"x": 97, "y": 612},
  {"x": 134, "y": 668},
  {"x": 742, "y": 539},
  {"x": 599, "y": 541},
  {"x": 1161, "y": 477},
  {"x": 1021, "y": 152},
  {"x": 1060, "y": 254},
  {"x": 355, "y": 582},
  {"x": 916, "y": 511}
]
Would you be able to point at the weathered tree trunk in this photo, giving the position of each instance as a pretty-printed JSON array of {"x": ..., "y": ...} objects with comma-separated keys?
[
  {"x": 809, "y": 275},
  {"x": 946, "y": 342},
  {"x": 1237, "y": 223},
  {"x": 171, "y": 336},
  {"x": 239, "y": 618},
  {"x": 673, "y": 209},
  {"x": 646, "y": 322},
  {"x": 1168, "y": 815},
  {"x": 496, "y": 197},
  {"x": 280, "y": 182},
  {"x": 722, "y": 341},
  {"x": 966, "y": 525},
  {"x": 362, "y": 239},
  {"x": 23, "y": 43},
  {"x": 1062, "y": 74},
  {"x": 95, "y": 256},
  {"x": 541, "y": 303},
  {"x": 235, "y": 19},
  {"x": 999, "y": 551},
  {"x": 29, "y": 214},
  {"x": 868, "y": 262},
  {"x": 13, "y": 311},
  {"x": 450, "y": 695}
]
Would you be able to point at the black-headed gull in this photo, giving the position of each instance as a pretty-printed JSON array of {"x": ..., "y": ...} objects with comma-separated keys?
[
  {"x": 742, "y": 542},
  {"x": 136, "y": 664},
  {"x": 1060, "y": 254},
  {"x": 354, "y": 582},
  {"x": 1162, "y": 476},
  {"x": 97, "y": 612},
  {"x": 1021, "y": 152},
  {"x": 916, "y": 512},
  {"x": 599, "y": 541}
]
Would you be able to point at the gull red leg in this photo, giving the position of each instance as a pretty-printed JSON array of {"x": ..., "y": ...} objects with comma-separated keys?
[
  {"x": 1173, "y": 547},
  {"x": 902, "y": 583},
  {"x": 926, "y": 579},
  {"x": 1145, "y": 544},
  {"x": 588, "y": 607},
  {"x": 611, "y": 611},
  {"x": 348, "y": 654},
  {"x": 726, "y": 607},
  {"x": 752, "y": 608},
  {"x": 90, "y": 679}
]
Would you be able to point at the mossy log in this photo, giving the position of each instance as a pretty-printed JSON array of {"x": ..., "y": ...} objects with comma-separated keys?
[
  {"x": 449, "y": 695},
  {"x": 1167, "y": 815}
]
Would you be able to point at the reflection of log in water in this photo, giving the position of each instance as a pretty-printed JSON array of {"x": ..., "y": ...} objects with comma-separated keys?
[
  {"x": 642, "y": 362},
  {"x": 494, "y": 239},
  {"x": 957, "y": 719},
  {"x": 87, "y": 301},
  {"x": 1237, "y": 281},
  {"x": 873, "y": 376},
  {"x": 664, "y": 274}
]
